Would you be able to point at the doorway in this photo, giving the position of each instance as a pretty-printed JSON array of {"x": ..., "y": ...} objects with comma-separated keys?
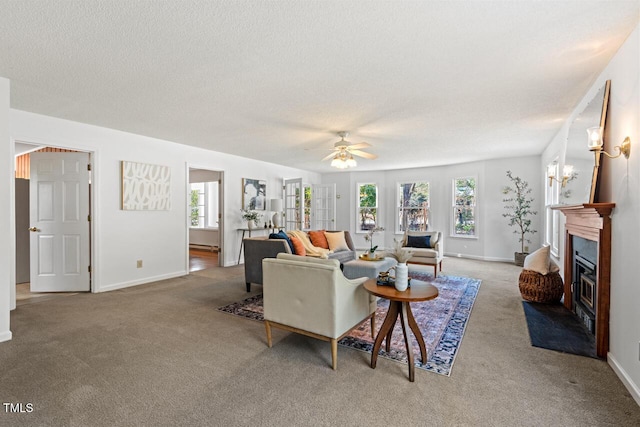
[
  {"x": 53, "y": 241},
  {"x": 205, "y": 221}
]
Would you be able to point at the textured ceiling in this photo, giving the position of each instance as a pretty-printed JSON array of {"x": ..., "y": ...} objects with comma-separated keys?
[{"x": 425, "y": 83}]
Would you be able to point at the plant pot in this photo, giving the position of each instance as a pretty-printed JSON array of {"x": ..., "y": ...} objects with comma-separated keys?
[
  {"x": 519, "y": 258},
  {"x": 251, "y": 224}
]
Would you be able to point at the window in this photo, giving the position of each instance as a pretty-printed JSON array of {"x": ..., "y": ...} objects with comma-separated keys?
[
  {"x": 552, "y": 217},
  {"x": 367, "y": 207},
  {"x": 307, "y": 207},
  {"x": 203, "y": 205},
  {"x": 413, "y": 206},
  {"x": 464, "y": 207}
]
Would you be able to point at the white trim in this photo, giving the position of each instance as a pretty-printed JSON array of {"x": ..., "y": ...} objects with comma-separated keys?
[
  {"x": 633, "y": 389},
  {"x": 477, "y": 257},
  {"x": 131, "y": 283},
  {"x": 6, "y": 336},
  {"x": 93, "y": 204}
]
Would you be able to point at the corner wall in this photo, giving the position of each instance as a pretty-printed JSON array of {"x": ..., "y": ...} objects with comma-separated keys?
[
  {"x": 6, "y": 257},
  {"x": 495, "y": 241},
  {"x": 159, "y": 238}
]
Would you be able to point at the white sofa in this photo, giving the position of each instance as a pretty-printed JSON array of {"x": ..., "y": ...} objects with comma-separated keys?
[
  {"x": 431, "y": 255},
  {"x": 311, "y": 296}
]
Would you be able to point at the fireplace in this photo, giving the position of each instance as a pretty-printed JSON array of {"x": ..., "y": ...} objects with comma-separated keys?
[
  {"x": 585, "y": 291},
  {"x": 587, "y": 267}
]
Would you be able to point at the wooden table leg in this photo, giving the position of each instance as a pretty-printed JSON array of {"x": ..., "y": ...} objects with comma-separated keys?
[
  {"x": 387, "y": 325},
  {"x": 416, "y": 331},
  {"x": 407, "y": 340}
]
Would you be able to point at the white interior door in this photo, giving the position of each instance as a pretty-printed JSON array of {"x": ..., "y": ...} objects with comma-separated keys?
[
  {"x": 59, "y": 218},
  {"x": 293, "y": 204},
  {"x": 323, "y": 200}
]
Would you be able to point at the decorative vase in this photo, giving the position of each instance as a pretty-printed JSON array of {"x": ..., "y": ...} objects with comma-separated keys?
[
  {"x": 402, "y": 277},
  {"x": 371, "y": 254},
  {"x": 250, "y": 224}
]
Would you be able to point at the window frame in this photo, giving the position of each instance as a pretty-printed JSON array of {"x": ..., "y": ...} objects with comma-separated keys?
[
  {"x": 455, "y": 206},
  {"x": 204, "y": 212},
  {"x": 377, "y": 222},
  {"x": 398, "y": 207},
  {"x": 552, "y": 217}
]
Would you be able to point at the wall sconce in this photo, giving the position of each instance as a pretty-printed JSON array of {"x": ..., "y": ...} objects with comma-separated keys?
[
  {"x": 595, "y": 144},
  {"x": 567, "y": 172}
]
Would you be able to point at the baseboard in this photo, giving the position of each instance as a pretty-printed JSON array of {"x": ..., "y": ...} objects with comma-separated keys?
[
  {"x": 478, "y": 258},
  {"x": 634, "y": 390},
  {"x": 5, "y": 336},
  {"x": 129, "y": 284}
]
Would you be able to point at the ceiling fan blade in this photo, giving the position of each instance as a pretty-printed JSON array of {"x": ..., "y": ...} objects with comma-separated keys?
[
  {"x": 359, "y": 145},
  {"x": 333, "y": 154},
  {"x": 363, "y": 154}
]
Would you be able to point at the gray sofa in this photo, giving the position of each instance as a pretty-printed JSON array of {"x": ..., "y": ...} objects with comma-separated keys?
[{"x": 258, "y": 248}]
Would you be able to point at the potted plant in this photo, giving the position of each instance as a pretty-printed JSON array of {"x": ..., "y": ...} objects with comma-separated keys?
[
  {"x": 518, "y": 206},
  {"x": 251, "y": 217},
  {"x": 371, "y": 253}
]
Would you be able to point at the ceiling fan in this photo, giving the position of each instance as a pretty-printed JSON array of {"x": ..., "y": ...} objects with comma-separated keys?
[{"x": 343, "y": 152}]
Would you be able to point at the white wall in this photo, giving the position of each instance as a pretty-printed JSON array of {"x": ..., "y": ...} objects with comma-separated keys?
[
  {"x": 495, "y": 240},
  {"x": 158, "y": 238},
  {"x": 620, "y": 183},
  {"x": 6, "y": 257}
]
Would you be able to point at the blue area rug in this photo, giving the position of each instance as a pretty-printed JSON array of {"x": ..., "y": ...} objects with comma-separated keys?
[{"x": 442, "y": 322}]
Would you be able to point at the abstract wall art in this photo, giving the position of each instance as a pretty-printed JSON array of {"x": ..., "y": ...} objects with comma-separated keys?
[
  {"x": 254, "y": 194},
  {"x": 145, "y": 187}
]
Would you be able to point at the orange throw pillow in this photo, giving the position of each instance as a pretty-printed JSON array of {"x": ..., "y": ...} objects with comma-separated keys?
[
  {"x": 318, "y": 239},
  {"x": 298, "y": 247}
]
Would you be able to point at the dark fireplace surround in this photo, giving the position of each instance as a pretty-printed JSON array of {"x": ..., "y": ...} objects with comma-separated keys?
[{"x": 587, "y": 267}]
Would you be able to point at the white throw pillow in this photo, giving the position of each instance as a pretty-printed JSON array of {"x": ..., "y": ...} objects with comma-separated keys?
[
  {"x": 538, "y": 261},
  {"x": 337, "y": 241}
]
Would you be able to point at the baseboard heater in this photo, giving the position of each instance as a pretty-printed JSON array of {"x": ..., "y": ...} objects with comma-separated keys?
[{"x": 211, "y": 248}]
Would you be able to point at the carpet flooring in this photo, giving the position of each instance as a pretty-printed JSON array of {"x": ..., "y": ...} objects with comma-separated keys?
[
  {"x": 161, "y": 354},
  {"x": 442, "y": 322},
  {"x": 553, "y": 327}
]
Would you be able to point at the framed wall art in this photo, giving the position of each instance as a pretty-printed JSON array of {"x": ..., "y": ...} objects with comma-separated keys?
[
  {"x": 254, "y": 194},
  {"x": 145, "y": 187}
]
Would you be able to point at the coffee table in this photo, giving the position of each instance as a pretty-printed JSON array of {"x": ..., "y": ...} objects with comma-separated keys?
[{"x": 399, "y": 306}]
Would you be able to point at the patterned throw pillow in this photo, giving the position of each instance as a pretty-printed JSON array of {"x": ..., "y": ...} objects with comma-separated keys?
[{"x": 318, "y": 239}]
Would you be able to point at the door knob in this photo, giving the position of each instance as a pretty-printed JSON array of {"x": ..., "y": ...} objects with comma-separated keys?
[{"x": 34, "y": 229}]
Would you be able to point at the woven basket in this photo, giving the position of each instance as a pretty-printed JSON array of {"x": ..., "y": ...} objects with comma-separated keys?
[{"x": 541, "y": 288}]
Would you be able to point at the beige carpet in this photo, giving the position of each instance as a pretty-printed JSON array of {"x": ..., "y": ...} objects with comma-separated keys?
[{"x": 160, "y": 354}]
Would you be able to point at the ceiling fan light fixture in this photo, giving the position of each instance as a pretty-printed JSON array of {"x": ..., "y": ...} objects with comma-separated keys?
[{"x": 351, "y": 162}]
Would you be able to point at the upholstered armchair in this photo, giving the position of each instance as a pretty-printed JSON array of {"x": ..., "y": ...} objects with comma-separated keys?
[
  {"x": 427, "y": 248},
  {"x": 311, "y": 296}
]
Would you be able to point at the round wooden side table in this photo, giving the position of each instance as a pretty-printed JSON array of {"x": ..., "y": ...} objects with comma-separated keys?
[{"x": 399, "y": 306}]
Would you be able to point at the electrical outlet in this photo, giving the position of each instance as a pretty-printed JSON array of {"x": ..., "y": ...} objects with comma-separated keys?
[
  {"x": 139, "y": 263},
  {"x": 526, "y": 249}
]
